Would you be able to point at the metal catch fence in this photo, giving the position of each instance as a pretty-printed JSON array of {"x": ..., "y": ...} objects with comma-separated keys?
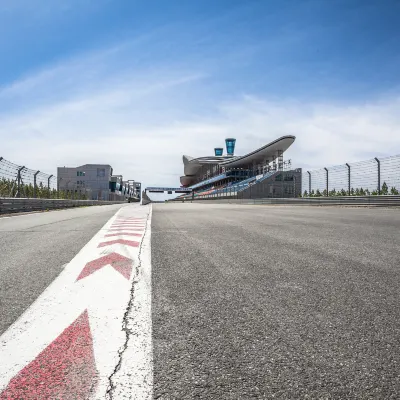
[
  {"x": 375, "y": 176},
  {"x": 19, "y": 181}
]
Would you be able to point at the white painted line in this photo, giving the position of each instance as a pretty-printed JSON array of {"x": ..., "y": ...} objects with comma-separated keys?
[{"x": 134, "y": 378}]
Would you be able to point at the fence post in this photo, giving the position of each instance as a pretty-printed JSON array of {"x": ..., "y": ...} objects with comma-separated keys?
[
  {"x": 19, "y": 182},
  {"x": 35, "y": 183},
  {"x": 379, "y": 174},
  {"x": 327, "y": 181},
  {"x": 309, "y": 183},
  {"x": 48, "y": 183},
  {"x": 349, "y": 180}
]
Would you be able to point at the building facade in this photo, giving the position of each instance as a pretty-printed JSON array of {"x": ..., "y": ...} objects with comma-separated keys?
[
  {"x": 96, "y": 181},
  {"x": 262, "y": 172}
]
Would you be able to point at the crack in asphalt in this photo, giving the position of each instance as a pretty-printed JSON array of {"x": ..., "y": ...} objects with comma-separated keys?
[{"x": 125, "y": 328}]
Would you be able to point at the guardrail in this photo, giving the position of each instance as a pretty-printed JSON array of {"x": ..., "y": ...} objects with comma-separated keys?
[
  {"x": 16, "y": 205},
  {"x": 373, "y": 201}
]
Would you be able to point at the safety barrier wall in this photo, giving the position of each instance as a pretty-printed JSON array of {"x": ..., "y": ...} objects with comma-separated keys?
[
  {"x": 382, "y": 201},
  {"x": 16, "y": 205}
]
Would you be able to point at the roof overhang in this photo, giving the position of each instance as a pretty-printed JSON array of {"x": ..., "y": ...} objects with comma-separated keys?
[
  {"x": 269, "y": 151},
  {"x": 187, "y": 180},
  {"x": 192, "y": 165}
]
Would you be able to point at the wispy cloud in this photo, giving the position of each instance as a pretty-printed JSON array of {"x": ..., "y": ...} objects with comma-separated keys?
[{"x": 109, "y": 107}]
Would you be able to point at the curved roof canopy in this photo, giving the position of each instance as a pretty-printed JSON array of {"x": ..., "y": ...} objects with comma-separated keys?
[
  {"x": 192, "y": 165},
  {"x": 269, "y": 151}
]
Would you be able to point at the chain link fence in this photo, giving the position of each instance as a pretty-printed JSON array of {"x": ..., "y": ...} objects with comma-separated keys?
[
  {"x": 378, "y": 176},
  {"x": 19, "y": 181}
]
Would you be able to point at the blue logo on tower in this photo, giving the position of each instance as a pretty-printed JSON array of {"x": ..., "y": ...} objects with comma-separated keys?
[
  {"x": 230, "y": 146},
  {"x": 218, "y": 151}
]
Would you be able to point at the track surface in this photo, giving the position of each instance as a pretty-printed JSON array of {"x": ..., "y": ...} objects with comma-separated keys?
[
  {"x": 248, "y": 301},
  {"x": 275, "y": 302},
  {"x": 35, "y": 247}
]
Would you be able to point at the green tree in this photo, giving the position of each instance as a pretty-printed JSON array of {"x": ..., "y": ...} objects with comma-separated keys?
[
  {"x": 394, "y": 191},
  {"x": 317, "y": 193},
  {"x": 374, "y": 193},
  {"x": 385, "y": 189},
  {"x": 357, "y": 192},
  {"x": 343, "y": 192},
  {"x": 362, "y": 192},
  {"x": 305, "y": 194},
  {"x": 352, "y": 192},
  {"x": 324, "y": 193}
]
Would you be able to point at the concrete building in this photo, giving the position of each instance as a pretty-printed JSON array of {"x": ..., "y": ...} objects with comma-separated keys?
[
  {"x": 88, "y": 178},
  {"x": 97, "y": 182}
]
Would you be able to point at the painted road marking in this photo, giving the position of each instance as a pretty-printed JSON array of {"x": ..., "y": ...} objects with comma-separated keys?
[
  {"x": 131, "y": 243},
  {"x": 92, "y": 312},
  {"x": 120, "y": 263},
  {"x": 124, "y": 234},
  {"x": 66, "y": 366},
  {"x": 125, "y": 228},
  {"x": 128, "y": 224}
]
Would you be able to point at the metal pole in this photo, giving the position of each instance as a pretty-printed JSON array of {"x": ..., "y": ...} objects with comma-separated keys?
[
  {"x": 48, "y": 183},
  {"x": 35, "y": 184},
  {"x": 309, "y": 183},
  {"x": 379, "y": 175},
  {"x": 349, "y": 183},
  {"x": 327, "y": 181},
  {"x": 19, "y": 182}
]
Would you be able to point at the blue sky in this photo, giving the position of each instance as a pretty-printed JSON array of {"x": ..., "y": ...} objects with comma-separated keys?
[{"x": 123, "y": 82}]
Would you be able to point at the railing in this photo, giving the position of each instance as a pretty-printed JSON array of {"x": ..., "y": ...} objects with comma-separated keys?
[
  {"x": 374, "y": 176},
  {"x": 17, "y": 205}
]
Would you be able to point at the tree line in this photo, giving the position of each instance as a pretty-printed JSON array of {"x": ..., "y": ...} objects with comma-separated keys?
[
  {"x": 353, "y": 192},
  {"x": 9, "y": 188}
]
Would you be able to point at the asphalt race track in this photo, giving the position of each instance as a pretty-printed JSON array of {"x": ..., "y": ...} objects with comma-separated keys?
[
  {"x": 200, "y": 301},
  {"x": 275, "y": 302}
]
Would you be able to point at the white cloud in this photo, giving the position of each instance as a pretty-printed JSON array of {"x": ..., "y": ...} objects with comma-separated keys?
[{"x": 142, "y": 121}]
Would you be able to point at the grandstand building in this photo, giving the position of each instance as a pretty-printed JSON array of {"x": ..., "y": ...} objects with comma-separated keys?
[{"x": 260, "y": 173}]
